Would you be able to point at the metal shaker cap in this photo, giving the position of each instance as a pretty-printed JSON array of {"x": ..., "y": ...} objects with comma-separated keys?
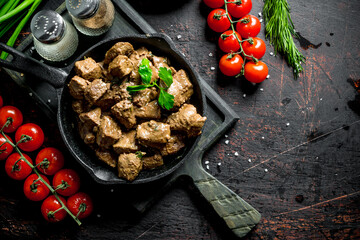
[
  {"x": 82, "y": 8},
  {"x": 47, "y": 26}
]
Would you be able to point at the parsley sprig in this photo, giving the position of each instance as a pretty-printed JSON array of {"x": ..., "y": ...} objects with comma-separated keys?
[{"x": 165, "y": 100}]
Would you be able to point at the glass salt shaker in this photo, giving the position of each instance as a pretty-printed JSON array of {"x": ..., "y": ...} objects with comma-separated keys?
[
  {"x": 55, "y": 39},
  {"x": 91, "y": 17}
]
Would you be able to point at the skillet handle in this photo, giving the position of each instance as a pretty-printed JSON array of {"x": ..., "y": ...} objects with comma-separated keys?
[
  {"x": 237, "y": 214},
  {"x": 23, "y": 63}
]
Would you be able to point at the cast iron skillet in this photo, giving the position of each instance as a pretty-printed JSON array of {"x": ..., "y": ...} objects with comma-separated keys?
[{"x": 160, "y": 45}]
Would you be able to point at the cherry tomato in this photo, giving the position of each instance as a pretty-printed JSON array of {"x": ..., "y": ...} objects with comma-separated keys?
[
  {"x": 228, "y": 42},
  {"x": 17, "y": 169},
  {"x": 80, "y": 204},
  {"x": 35, "y": 189},
  {"x": 255, "y": 47},
  {"x": 49, "y": 209},
  {"x": 12, "y": 113},
  {"x": 35, "y": 133},
  {"x": 1, "y": 102},
  {"x": 66, "y": 181},
  {"x": 231, "y": 65},
  {"x": 214, "y": 3},
  {"x": 248, "y": 26},
  {"x": 49, "y": 160},
  {"x": 218, "y": 21},
  {"x": 256, "y": 72},
  {"x": 238, "y": 10},
  {"x": 5, "y": 149}
]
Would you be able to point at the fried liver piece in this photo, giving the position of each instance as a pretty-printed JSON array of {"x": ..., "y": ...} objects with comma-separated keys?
[
  {"x": 77, "y": 86},
  {"x": 120, "y": 66},
  {"x": 129, "y": 166},
  {"x": 181, "y": 88},
  {"x": 120, "y": 48},
  {"x": 152, "y": 161},
  {"x": 187, "y": 120},
  {"x": 86, "y": 133},
  {"x": 107, "y": 157},
  {"x": 153, "y": 132},
  {"x": 175, "y": 143},
  {"x": 93, "y": 117},
  {"x": 95, "y": 90},
  {"x": 124, "y": 112},
  {"x": 126, "y": 143},
  {"x": 108, "y": 133},
  {"x": 160, "y": 62},
  {"x": 78, "y": 106},
  {"x": 143, "y": 97},
  {"x": 149, "y": 111},
  {"x": 88, "y": 69}
]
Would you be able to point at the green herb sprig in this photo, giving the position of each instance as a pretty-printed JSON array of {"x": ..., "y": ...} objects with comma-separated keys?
[
  {"x": 165, "y": 100},
  {"x": 280, "y": 31}
]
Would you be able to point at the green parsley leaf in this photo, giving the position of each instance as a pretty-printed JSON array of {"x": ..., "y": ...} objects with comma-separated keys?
[
  {"x": 165, "y": 74},
  {"x": 166, "y": 100},
  {"x": 132, "y": 89},
  {"x": 145, "y": 71}
]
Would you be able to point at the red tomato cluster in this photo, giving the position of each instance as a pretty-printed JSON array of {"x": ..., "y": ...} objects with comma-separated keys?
[
  {"x": 238, "y": 41},
  {"x": 49, "y": 161}
]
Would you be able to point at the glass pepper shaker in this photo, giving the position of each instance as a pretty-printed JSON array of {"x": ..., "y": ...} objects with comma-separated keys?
[
  {"x": 55, "y": 39},
  {"x": 91, "y": 17}
]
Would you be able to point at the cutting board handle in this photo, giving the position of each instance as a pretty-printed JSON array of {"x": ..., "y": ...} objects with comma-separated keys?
[
  {"x": 237, "y": 214},
  {"x": 25, "y": 64}
]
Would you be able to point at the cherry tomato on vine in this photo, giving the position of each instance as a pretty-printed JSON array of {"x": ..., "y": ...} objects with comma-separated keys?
[
  {"x": 66, "y": 182},
  {"x": 49, "y": 160},
  {"x": 1, "y": 102},
  {"x": 255, "y": 47},
  {"x": 214, "y": 3},
  {"x": 80, "y": 204},
  {"x": 34, "y": 135},
  {"x": 228, "y": 42},
  {"x": 14, "y": 115},
  {"x": 218, "y": 21},
  {"x": 256, "y": 72},
  {"x": 50, "y": 209},
  {"x": 231, "y": 64},
  {"x": 17, "y": 168},
  {"x": 248, "y": 26},
  {"x": 35, "y": 189},
  {"x": 237, "y": 9},
  {"x": 5, "y": 148}
]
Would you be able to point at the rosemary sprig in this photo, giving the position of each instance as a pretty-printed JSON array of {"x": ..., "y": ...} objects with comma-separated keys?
[{"x": 280, "y": 31}]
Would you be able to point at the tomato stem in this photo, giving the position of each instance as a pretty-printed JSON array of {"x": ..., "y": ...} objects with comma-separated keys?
[
  {"x": 82, "y": 208},
  {"x": 9, "y": 120}
]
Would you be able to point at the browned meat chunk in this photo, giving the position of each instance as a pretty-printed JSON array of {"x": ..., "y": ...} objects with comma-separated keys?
[
  {"x": 137, "y": 56},
  {"x": 153, "y": 132},
  {"x": 126, "y": 143},
  {"x": 86, "y": 133},
  {"x": 124, "y": 112},
  {"x": 92, "y": 117},
  {"x": 107, "y": 157},
  {"x": 109, "y": 132},
  {"x": 120, "y": 66},
  {"x": 95, "y": 90},
  {"x": 143, "y": 97},
  {"x": 107, "y": 100},
  {"x": 77, "y": 86},
  {"x": 181, "y": 88},
  {"x": 129, "y": 166},
  {"x": 88, "y": 69},
  {"x": 78, "y": 106},
  {"x": 188, "y": 120},
  {"x": 175, "y": 143},
  {"x": 120, "y": 48},
  {"x": 152, "y": 161},
  {"x": 160, "y": 62},
  {"x": 149, "y": 111}
]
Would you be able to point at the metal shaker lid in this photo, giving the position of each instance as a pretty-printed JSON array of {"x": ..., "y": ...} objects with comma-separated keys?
[
  {"x": 82, "y": 8},
  {"x": 47, "y": 26}
]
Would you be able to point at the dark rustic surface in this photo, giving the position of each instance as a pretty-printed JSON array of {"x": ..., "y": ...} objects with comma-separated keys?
[{"x": 303, "y": 177}]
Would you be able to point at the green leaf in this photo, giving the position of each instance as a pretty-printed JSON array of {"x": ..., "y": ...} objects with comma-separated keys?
[
  {"x": 166, "y": 100},
  {"x": 165, "y": 74},
  {"x": 132, "y": 89},
  {"x": 145, "y": 71}
]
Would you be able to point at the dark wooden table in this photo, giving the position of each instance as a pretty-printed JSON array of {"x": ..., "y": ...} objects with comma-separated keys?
[{"x": 294, "y": 154}]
